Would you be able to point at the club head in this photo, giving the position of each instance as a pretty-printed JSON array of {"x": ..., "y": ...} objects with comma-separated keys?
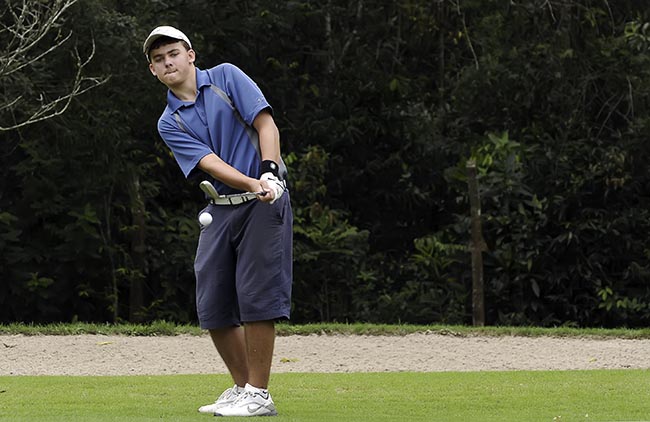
[{"x": 208, "y": 189}]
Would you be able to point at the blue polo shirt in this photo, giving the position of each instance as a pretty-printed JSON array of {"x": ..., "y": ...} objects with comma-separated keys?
[{"x": 209, "y": 123}]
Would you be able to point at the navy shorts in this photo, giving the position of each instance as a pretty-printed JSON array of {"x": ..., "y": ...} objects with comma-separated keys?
[{"x": 243, "y": 264}]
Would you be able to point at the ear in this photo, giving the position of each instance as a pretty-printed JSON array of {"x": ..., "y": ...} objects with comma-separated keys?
[
  {"x": 192, "y": 55},
  {"x": 151, "y": 69}
]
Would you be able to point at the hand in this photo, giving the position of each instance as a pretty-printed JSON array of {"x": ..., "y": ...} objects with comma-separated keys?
[{"x": 274, "y": 186}]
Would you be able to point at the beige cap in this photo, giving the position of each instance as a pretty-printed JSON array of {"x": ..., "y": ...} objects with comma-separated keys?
[{"x": 164, "y": 31}]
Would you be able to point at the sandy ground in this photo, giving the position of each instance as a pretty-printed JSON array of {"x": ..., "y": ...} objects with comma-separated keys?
[{"x": 120, "y": 355}]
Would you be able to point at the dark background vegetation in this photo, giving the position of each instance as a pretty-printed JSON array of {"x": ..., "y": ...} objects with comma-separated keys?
[{"x": 379, "y": 104}]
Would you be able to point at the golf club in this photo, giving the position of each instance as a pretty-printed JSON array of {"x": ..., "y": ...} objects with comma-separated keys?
[{"x": 208, "y": 189}]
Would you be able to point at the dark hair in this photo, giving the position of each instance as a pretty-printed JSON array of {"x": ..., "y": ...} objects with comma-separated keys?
[{"x": 162, "y": 41}]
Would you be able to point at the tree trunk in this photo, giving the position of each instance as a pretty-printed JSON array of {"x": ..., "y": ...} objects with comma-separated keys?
[
  {"x": 477, "y": 246},
  {"x": 138, "y": 246}
]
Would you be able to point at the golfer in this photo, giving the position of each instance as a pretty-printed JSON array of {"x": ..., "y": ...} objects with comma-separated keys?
[{"x": 218, "y": 122}]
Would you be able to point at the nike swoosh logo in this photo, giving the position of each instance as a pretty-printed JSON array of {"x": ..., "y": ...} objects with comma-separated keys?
[{"x": 253, "y": 409}]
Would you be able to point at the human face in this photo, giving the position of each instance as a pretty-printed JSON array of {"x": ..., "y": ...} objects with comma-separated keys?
[{"x": 172, "y": 63}]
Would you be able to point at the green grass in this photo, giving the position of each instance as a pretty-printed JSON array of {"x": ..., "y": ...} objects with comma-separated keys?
[
  {"x": 607, "y": 395},
  {"x": 468, "y": 396},
  {"x": 168, "y": 328}
]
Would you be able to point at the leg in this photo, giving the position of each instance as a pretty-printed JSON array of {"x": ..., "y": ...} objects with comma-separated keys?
[
  {"x": 260, "y": 341},
  {"x": 231, "y": 345},
  {"x": 263, "y": 278}
]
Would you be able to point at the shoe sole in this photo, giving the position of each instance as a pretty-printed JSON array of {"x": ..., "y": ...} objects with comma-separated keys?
[{"x": 272, "y": 413}]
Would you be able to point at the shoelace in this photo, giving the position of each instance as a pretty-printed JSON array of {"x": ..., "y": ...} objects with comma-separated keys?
[
  {"x": 228, "y": 394},
  {"x": 249, "y": 395}
]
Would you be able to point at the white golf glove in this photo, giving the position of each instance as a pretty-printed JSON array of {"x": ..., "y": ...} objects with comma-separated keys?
[{"x": 277, "y": 186}]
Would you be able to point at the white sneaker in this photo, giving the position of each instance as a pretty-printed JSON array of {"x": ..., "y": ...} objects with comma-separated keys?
[
  {"x": 226, "y": 398},
  {"x": 252, "y": 402}
]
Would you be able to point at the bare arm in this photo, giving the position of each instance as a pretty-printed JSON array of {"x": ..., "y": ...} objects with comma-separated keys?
[
  {"x": 220, "y": 170},
  {"x": 269, "y": 136}
]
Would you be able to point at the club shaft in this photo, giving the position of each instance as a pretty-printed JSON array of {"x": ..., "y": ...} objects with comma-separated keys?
[{"x": 208, "y": 189}]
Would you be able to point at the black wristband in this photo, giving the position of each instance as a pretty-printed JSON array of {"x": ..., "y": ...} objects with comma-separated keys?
[{"x": 270, "y": 166}]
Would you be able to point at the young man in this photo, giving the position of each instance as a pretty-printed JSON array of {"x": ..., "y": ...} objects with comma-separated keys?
[{"x": 218, "y": 122}]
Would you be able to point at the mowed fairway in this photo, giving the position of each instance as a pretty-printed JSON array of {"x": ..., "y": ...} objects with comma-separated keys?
[{"x": 597, "y": 395}]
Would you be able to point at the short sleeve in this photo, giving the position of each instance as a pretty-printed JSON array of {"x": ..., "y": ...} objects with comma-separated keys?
[{"x": 187, "y": 150}]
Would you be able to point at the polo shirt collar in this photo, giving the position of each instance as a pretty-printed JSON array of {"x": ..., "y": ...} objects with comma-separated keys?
[{"x": 202, "y": 79}]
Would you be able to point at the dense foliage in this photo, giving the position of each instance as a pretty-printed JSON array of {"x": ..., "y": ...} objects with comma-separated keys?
[{"x": 380, "y": 105}]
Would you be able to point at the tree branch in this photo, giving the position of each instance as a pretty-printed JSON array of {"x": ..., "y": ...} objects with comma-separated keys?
[
  {"x": 24, "y": 28},
  {"x": 466, "y": 32}
]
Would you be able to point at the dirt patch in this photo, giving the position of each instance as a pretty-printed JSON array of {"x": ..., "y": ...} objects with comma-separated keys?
[{"x": 121, "y": 355}]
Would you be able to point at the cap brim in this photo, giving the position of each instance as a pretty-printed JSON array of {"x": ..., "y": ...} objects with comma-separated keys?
[{"x": 150, "y": 40}]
